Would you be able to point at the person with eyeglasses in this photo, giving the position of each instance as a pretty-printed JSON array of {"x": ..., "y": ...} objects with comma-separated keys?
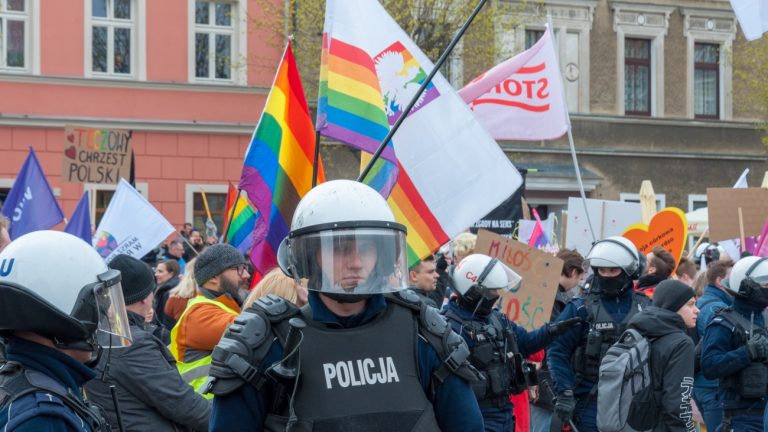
[{"x": 220, "y": 273}]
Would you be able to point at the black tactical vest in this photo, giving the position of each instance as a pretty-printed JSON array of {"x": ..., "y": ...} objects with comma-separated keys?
[
  {"x": 348, "y": 383},
  {"x": 17, "y": 381},
  {"x": 496, "y": 355},
  {"x": 752, "y": 381},
  {"x": 602, "y": 334}
]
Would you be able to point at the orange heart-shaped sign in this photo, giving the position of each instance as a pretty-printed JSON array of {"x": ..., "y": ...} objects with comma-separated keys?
[{"x": 668, "y": 229}]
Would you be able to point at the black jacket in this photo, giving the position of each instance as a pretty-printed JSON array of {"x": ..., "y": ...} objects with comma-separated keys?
[
  {"x": 672, "y": 354},
  {"x": 152, "y": 395},
  {"x": 161, "y": 297}
]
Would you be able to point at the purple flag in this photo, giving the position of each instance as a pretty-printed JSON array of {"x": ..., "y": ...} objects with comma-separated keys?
[
  {"x": 30, "y": 204},
  {"x": 79, "y": 224}
]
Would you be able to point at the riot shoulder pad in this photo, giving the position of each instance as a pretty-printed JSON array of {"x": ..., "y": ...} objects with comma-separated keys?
[
  {"x": 406, "y": 298},
  {"x": 236, "y": 358},
  {"x": 275, "y": 308}
]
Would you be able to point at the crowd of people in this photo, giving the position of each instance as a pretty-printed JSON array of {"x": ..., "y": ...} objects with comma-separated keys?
[{"x": 343, "y": 335}]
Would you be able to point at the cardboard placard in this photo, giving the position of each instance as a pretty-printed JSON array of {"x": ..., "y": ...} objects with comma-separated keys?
[
  {"x": 95, "y": 155},
  {"x": 531, "y": 305},
  {"x": 609, "y": 218},
  {"x": 724, "y": 204},
  {"x": 668, "y": 229}
]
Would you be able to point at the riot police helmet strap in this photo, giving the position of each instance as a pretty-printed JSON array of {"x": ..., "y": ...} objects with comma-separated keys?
[
  {"x": 616, "y": 252},
  {"x": 748, "y": 275},
  {"x": 483, "y": 273},
  {"x": 75, "y": 298},
  {"x": 345, "y": 240}
]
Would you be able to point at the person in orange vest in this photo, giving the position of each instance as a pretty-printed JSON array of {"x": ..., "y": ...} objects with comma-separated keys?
[{"x": 220, "y": 272}]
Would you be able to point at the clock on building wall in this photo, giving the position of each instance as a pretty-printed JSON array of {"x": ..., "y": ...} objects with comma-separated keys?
[{"x": 571, "y": 72}]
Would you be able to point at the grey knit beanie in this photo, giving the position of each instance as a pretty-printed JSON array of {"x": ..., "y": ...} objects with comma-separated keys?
[{"x": 214, "y": 260}]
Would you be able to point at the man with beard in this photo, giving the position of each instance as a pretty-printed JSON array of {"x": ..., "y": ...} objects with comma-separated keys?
[
  {"x": 197, "y": 246},
  {"x": 574, "y": 358},
  {"x": 220, "y": 271}
]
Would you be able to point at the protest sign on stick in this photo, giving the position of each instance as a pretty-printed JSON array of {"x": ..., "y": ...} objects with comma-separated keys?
[
  {"x": 95, "y": 155},
  {"x": 531, "y": 304},
  {"x": 667, "y": 228},
  {"x": 610, "y": 218},
  {"x": 724, "y": 205}
]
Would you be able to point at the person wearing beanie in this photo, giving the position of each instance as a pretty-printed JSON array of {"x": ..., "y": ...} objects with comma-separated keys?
[
  {"x": 220, "y": 272},
  {"x": 148, "y": 385},
  {"x": 666, "y": 324}
]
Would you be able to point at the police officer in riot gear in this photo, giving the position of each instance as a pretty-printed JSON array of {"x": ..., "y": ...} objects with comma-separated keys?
[
  {"x": 499, "y": 346},
  {"x": 735, "y": 347},
  {"x": 364, "y": 354},
  {"x": 574, "y": 358},
  {"x": 59, "y": 305}
]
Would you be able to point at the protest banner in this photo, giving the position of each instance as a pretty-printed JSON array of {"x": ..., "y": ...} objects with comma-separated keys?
[
  {"x": 609, "y": 218},
  {"x": 724, "y": 205},
  {"x": 667, "y": 228},
  {"x": 531, "y": 304},
  {"x": 95, "y": 155}
]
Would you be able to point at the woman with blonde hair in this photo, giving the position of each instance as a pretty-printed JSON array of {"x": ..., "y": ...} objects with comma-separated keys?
[
  {"x": 463, "y": 245},
  {"x": 276, "y": 282},
  {"x": 180, "y": 295}
]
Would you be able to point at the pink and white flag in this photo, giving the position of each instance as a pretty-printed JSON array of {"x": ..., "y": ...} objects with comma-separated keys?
[{"x": 521, "y": 98}]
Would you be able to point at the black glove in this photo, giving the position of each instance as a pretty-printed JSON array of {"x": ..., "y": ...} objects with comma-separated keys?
[
  {"x": 558, "y": 328},
  {"x": 565, "y": 404},
  {"x": 757, "y": 346}
]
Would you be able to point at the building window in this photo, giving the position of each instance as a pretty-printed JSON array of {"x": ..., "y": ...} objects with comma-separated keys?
[
  {"x": 14, "y": 35},
  {"x": 217, "y": 204},
  {"x": 113, "y": 37},
  {"x": 214, "y": 40},
  {"x": 532, "y": 36},
  {"x": 706, "y": 77},
  {"x": 637, "y": 77}
]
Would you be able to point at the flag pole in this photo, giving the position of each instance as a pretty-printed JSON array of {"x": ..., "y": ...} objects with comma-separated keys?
[
  {"x": 550, "y": 29},
  {"x": 317, "y": 158},
  {"x": 231, "y": 215},
  {"x": 427, "y": 81}
]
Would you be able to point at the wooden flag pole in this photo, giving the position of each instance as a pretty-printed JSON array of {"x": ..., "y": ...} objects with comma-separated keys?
[
  {"x": 427, "y": 81},
  {"x": 317, "y": 159}
]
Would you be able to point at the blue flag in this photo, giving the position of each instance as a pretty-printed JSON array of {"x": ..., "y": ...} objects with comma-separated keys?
[
  {"x": 30, "y": 204},
  {"x": 79, "y": 224}
]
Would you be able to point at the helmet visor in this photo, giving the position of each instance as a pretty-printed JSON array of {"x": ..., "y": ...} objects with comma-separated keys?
[
  {"x": 513, "y": 279},
  {"x": 601, "y": 262},
  {"x": 102, "y": 306},
  {"x": 351, "y": 261}
]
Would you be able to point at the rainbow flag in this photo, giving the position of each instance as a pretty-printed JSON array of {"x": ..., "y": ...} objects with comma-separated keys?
[
  {"x": 277, "y": 170},
  {"x": 240, "y": 233},
  {"x": 370, "y": 69}
]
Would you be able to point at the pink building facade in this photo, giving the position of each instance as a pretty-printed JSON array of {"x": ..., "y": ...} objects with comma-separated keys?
[{"x": 187, "y": 77}]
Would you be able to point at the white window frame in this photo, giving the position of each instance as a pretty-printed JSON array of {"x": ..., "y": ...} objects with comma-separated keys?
[
  {"x": 641, "y": 21},
  {"x": 239, "y": 69},
  {"x": 715, "y": 27},
  {"x": 138, "y": 26},
  {"x": 31, "y": 18},
  {"x": 93, "y": 188},
  {"x": 190, "y": 189},
  {"x": 567, "y": 17},
  {"x": 7, "y": 183},
  {"x": 661, "y": 199},
  {"x": 694, "y": 198}
]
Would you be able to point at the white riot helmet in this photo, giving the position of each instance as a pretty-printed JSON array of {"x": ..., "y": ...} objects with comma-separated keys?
[
  {"x": 476, "y": 276},
  {"x": 617, "y": 252},
  {"x": 344, "y": 239},
  {"x": 56, "y": 285},
  {"x": 749, "y": 279},
  {"x": 710, "y": 252}
]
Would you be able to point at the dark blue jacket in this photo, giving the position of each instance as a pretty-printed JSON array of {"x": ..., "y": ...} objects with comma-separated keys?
[
  {"x": 724, "y": 353},
  {"x": 41, "y": 412},
  {"x": 562, "y": 349},
  {"x": 713, "y": 299},
  {"x": 527, "y": 343},
  {"x": 454, "y": 403}
]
